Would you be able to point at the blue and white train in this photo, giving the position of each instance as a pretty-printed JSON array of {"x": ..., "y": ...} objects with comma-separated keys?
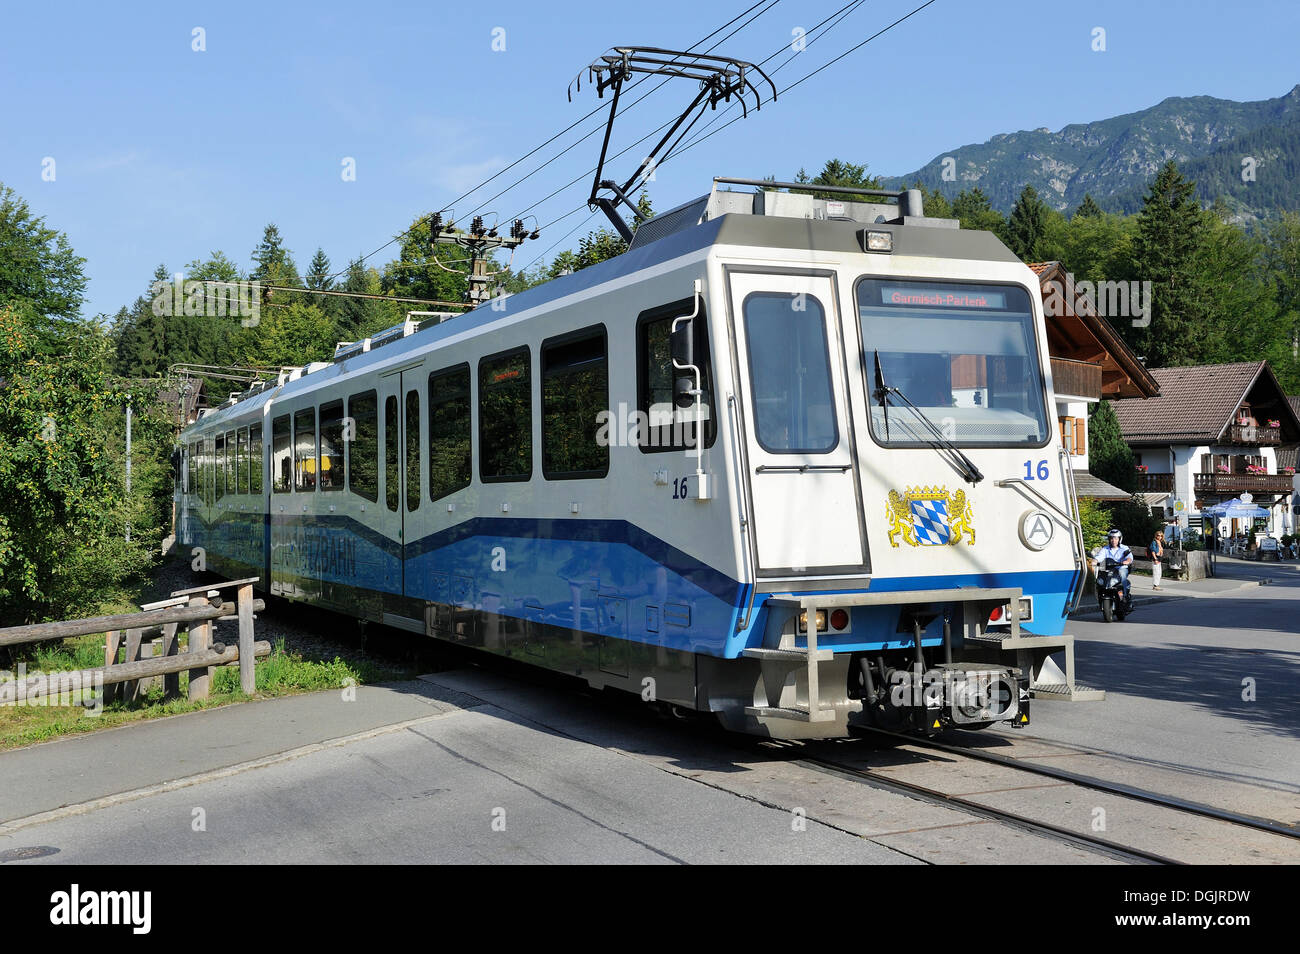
[{"x": 788, "y": 460}]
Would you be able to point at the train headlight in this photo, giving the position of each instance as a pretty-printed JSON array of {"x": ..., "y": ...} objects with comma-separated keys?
[
  {"x": 877, "y": 241},
  {"x": 821, "y": 621}
]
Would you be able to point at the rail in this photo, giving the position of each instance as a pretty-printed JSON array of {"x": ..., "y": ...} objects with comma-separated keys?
[{"x": 145, "y": 662}]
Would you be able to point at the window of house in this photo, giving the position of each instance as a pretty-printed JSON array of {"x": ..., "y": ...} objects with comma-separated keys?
[
  {"x": 449, "y": 431},
  {"x": 575, "y": 391}
]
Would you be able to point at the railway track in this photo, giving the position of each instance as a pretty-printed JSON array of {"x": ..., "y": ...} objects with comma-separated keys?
[{"x": 1181, "y": 810}]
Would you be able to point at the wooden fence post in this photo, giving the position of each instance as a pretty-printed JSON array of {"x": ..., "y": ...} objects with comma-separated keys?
[
  {"x": 247, "y": 661},
  {"x": 200, "y": 640},
  {"x": 112, "y": 642},
  {"x": 170, "y": 647},
  {"x": 132, "y": 688}
]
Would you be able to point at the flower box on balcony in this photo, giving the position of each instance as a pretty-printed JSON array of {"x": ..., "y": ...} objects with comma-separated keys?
[
  {"x": 1142, "y": 468},
  {"x": 1274, "y": 423}
]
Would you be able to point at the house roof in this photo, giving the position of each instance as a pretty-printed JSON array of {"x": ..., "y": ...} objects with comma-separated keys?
[
  {"x": 1196, "y": 404},
  {"x": 1076, "y": 331},
  {"x": 1086, "y": 485}
]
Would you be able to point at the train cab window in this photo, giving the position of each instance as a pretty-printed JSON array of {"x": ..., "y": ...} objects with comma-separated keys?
[
  {"x": 332, "y": 462},
  {"x": 505, "y": 417},
  {"x": 662, "y": 425},
  {"x": 281, "y": 455},
  {"x": 187, "y": 463},
  {"x": 241, "y": 460},
  {"x": 790, "y": 373},
  {"x": 449, "y": 434},
  {"x": 363, "y": 448},
  {"x": 255, "y": 459},
  {"x": 392, "y": 489},
  {"x": 412, "y": 450},
  {"x": 221, "y": 465},
  {"x": 575, "y": 392},
  {"x": 304, "y": 450}
]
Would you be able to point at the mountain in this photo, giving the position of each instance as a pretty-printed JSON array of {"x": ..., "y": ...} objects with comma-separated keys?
[{"x": 1113, "y": 159}]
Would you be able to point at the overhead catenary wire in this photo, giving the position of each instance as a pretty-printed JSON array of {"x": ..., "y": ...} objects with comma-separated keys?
[
  {"x": 840, "y": 14},
  {"x": 810, "y": 75},
  {"x": 538, "y": 148}
]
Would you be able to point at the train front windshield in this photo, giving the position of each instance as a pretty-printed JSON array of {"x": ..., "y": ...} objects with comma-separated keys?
[{"x": 965, "y": 354}]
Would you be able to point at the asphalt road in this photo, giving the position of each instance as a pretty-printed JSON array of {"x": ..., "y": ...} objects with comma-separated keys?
[{"x": 1210, "y": 685}]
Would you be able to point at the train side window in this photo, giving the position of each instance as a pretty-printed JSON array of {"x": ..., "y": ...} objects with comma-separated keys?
[
  {"x": 281, "y": 455},
  {"x": 241, "y": 460},
  {"x": 450, "y": 460},
  {"x": 391, "y": 488},
  {"x": 505, "y": 417},
  {"x": 255, "y": 459},
  {"x": 232, "y": 487},
  {"x": 304, "y": 449},
  {"x": 790, "y": 374},
  {"x": 662, "y": 426},
  {"x": 332, "y": 463},
  {"x": 363, "y": 449},
  {"x": 575, "y": 390},
  {"x": 221, "y": 465},
  {"x": 412, "y": 450}
]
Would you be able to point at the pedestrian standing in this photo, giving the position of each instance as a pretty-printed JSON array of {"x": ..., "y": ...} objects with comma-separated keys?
[{"x": 1157, "y": 550}]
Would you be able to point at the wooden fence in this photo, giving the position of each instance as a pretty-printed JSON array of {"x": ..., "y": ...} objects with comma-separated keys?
[{"x": 149, "y": 645}]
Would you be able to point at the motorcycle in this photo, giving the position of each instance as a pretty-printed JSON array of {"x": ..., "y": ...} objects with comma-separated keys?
[{"x": 1110, "y": 591}]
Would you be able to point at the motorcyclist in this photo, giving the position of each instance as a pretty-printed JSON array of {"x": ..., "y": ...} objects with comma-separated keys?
[{"x": 1115, "y": 550}]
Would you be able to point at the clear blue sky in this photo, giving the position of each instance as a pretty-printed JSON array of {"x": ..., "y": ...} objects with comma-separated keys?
[{"x": 163, "y": 154}]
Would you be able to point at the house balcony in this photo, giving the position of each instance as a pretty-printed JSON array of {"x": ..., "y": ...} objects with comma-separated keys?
[
  {"x": 1076, "y": 378},
  {"x": 1233, "y": 484},
  {"x": 1253, "y": 434},
  {"x": 1155, "y": 483}
]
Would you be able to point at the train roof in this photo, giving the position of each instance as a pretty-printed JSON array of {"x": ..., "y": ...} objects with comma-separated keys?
[{"x": 757, "y": 219}]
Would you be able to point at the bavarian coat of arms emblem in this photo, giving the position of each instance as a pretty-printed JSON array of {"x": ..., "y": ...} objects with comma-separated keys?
[{"x": 930, "y": 516}]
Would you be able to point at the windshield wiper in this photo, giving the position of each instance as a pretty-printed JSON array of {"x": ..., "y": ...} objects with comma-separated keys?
[{"x": 962, "y": 464}]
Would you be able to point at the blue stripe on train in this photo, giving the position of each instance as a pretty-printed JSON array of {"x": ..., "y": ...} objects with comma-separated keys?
[{"x": 603, "y": 576}]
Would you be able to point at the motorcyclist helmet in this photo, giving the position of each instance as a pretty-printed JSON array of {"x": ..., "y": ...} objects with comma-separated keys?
[{"x": 1115, "y": 535}]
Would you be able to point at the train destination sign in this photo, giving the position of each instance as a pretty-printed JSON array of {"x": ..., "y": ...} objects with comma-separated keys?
[{"x": 920, "y": 296}]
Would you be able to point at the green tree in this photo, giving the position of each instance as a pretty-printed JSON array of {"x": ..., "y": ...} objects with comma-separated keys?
[
  {"x": 1027, "y": 225},
  {"x": 1171, "y": 228},
  {"x": 273, "y": 263},
  {"x": 837, "y": 172},
  {"x": 37, "y": 265},
  {"x": 1282, "y": 271},
  {"x": 972, "y": 209},
  {"x": 1109, "y": 457},
  {"x": 1088, "y": 208},
  {"x": 290, "y": 335},
  {"x": 64, "y": 509},
  {"x": 318, "y": 272}
]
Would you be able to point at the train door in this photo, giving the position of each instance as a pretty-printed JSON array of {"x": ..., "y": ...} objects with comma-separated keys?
[
  {"x": 801, "y": 458},
  {"x": 401, "y": 423}
]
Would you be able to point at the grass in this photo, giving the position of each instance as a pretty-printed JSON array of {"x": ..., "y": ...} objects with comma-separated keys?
[{"x": 280, "y": 674}]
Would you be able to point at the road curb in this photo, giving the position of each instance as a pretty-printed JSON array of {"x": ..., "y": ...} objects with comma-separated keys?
[{"x": 160, "y": 788}]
